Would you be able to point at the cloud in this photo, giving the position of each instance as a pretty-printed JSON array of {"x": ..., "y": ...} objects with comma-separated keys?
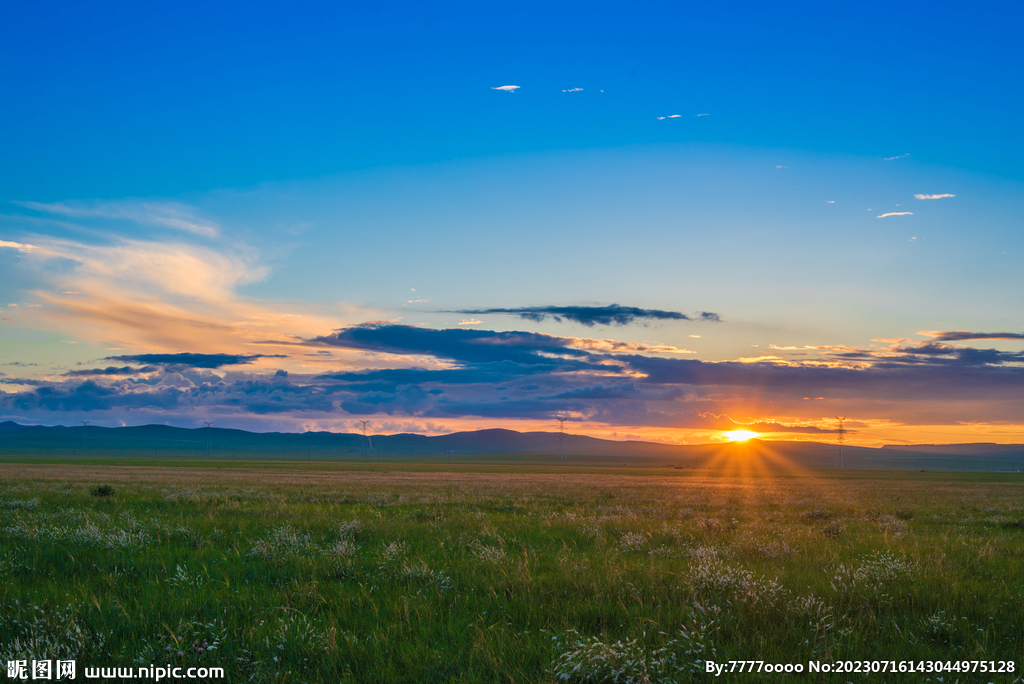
[
  {"x": 470, "y": 321},
  {"x": 830, "y": 201},
  {"x": 896, "y": 213},
  {"x": 110, "y": 370},
  {"x": 515, "y": 375},
  {"x": 900, "y": 156},
  {"x": 163, "y": 214},
  {"x": 704, "y": 114},
  {"x": 573, "y": 90},
  {"x": 456, "y": 344},
  {"x": 927, "y": 197},
  {"x": 613, "y": 314},
  {"x": 190, "y": 360},
  {"x": 507, "y": 88},
  {"x": 23, "y": 248},
  {"x": 670, "y": 116},
  {"x": 160, "y": 295},
  {"x": 963, "y": 335}
]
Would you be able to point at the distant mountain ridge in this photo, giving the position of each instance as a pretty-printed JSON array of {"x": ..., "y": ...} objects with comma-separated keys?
[
  {"x": 170, "y": 440},
  {"x": 11, "y": 425}
]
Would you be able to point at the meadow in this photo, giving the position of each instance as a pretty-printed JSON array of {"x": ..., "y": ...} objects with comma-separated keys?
[{"x": 285, "y": 572}]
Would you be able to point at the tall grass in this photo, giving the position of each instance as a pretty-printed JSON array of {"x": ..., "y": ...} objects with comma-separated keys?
[{"x": 351, "y": 577}]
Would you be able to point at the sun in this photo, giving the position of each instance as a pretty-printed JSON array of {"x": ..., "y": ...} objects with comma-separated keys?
[{"x": 740, "y": 435}]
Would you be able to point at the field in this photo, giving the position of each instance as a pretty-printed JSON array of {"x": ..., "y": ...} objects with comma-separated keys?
[{"x": 296, "y": 572}]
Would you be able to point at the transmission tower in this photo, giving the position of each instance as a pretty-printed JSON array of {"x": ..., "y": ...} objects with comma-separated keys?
[
  {"x": 85, "y": 435},
  {"x": 840, "y": 443},
  {"x": 209, "y": 447},
  {"x": 561, "y": 439},
  {"x": 367, "y": 446}
]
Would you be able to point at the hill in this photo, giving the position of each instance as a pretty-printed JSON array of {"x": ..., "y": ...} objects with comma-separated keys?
[{"x": 492, "y": 444}]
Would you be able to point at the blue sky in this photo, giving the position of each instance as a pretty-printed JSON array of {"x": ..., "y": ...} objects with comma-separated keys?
[{"x": 208, "y": 180}]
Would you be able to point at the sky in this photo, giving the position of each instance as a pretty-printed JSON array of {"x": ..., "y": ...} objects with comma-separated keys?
[{"x": 663, "y": 221}]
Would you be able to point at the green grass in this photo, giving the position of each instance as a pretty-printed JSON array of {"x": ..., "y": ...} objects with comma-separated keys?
[{"x": 347, "y": 572}]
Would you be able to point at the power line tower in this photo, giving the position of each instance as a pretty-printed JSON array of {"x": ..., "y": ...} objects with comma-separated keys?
[
  {"x": 561, "y": 439},
  {"x": 367, "y": 446},
  {"x": 85, "y": 435},
  {"x": 840, "y": 443},
  {"x": 209, "y": 447}
]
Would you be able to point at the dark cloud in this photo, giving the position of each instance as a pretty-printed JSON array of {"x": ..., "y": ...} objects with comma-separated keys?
[
  {"x": 613, "y": 314},
  {"x": 91, "y": 396},
  {"x": 250, "y": 396},
  {"x": 491, "y": 373},
  {"x": 944, "y": 354},
  {"x": 963, "y": 335},
  {"x": 190, "y": 360},
  {"x": 111, "y": 370},
  {"x": 904, "y": 376},
  {"x": 529, "y": 375},
  {"x": 471, "y": 347}
]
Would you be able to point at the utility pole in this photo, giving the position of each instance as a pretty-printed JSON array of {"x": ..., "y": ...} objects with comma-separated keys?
[
  {"x": 841, "y": 444},
  {"x": 367, "y": 445},
  {"x": 561, "y": 439}
]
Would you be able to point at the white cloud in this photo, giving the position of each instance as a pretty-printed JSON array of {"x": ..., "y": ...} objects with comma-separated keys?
[
  {"x": 506, "y": 88},
  {"x": 704, "y": 114},
  {"x": 896, "y": 213},
  {"x": 933, "y": 196},
  {"x": 163, "y": 214},
  {"x": 901, "y": 156},
  {"x": 470, "y": 321},
  {"x": 670, "y": 116},
  {"x": 573, "y": 90},
  {"x": 162, "y": 295},
  {"x": 418, "y": 301},
  {"x": 23, "y": 248},
  {"x": 830, "y": 201}
]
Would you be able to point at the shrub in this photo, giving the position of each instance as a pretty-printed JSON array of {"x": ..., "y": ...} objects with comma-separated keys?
[{"x": 102, "y": 490}]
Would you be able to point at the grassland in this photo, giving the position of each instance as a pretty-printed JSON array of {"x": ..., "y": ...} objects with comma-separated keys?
[{"x": 342, "y": 572}]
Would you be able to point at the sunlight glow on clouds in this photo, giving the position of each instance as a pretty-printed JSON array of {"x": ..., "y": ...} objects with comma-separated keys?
[
  {"x": 16, "y": 245},
  {"x": 163, "y": 295}
]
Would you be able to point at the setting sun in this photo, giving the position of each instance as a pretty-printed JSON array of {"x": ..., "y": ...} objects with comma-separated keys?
[{"x": 740, "y": 435}]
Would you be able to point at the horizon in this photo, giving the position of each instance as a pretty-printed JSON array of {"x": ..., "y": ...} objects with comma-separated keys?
[
  {"x": 666, "y": 226},
  {"x": 737, "y": 442}
]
